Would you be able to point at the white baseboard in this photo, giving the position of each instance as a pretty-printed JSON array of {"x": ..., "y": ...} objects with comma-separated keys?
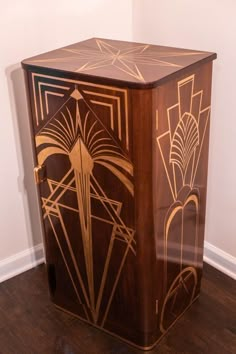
[
  {"x": 20, "y": 262},
  {"x": 220, "y": 259},
  {"x": 34, "y": 256}
]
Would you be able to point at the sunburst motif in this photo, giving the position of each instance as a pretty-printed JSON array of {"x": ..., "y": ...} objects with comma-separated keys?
[{"x": 126, "y": 59}]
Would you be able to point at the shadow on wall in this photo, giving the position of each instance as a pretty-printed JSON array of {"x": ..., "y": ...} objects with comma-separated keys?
[{"x": 22, "y": 135}]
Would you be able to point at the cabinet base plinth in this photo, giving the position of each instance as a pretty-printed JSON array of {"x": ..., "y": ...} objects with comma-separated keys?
[{"x": 132, "y": 344}]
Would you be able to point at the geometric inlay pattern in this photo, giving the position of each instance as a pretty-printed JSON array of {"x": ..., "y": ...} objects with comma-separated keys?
[
  {"x": 76, "y": 133},
  {"x": 101, "y": 99},
  {"x": 128, "y": 60},
  {"x": 187, "y": 122}
]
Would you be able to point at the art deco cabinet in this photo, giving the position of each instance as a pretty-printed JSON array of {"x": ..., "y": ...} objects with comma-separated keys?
[{"x": 120, "y": 133}]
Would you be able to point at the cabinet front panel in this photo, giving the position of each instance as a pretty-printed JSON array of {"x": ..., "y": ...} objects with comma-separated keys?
[{"x": 83, "y": 141}]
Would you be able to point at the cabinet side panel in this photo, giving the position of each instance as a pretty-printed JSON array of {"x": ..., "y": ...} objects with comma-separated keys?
[{"x": 180, "y": 182}]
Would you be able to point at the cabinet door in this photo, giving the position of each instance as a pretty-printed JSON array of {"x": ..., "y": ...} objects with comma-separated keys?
[{"x": 82, "y": 139}]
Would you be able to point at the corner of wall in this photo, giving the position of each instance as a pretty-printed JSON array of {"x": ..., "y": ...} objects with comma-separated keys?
[
  {"x": 21, "y": 262},
  {"x": 220, "y": 260}
]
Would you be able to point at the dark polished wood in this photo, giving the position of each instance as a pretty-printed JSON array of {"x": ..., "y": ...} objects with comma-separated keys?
[
  {"x": 122, "y": 178},
  {"x": 30, "y": 324}
]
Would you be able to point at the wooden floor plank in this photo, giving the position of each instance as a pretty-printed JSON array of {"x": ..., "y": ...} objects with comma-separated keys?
[{"x": 29, "y": 323}]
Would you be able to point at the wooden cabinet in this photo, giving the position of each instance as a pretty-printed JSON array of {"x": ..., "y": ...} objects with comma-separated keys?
[{"x": 121, "y": 136}]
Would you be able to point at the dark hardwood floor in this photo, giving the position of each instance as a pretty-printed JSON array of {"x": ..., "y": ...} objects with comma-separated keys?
[{"x": 29, "y": 323}]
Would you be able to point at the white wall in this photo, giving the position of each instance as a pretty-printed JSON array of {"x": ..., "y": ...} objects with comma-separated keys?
[
  {"x": 206, "y": 25},
  {"x": 27, "y": 28}
]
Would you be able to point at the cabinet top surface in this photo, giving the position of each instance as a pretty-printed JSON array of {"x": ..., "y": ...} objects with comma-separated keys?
[{"x": 133, "y": 64}]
